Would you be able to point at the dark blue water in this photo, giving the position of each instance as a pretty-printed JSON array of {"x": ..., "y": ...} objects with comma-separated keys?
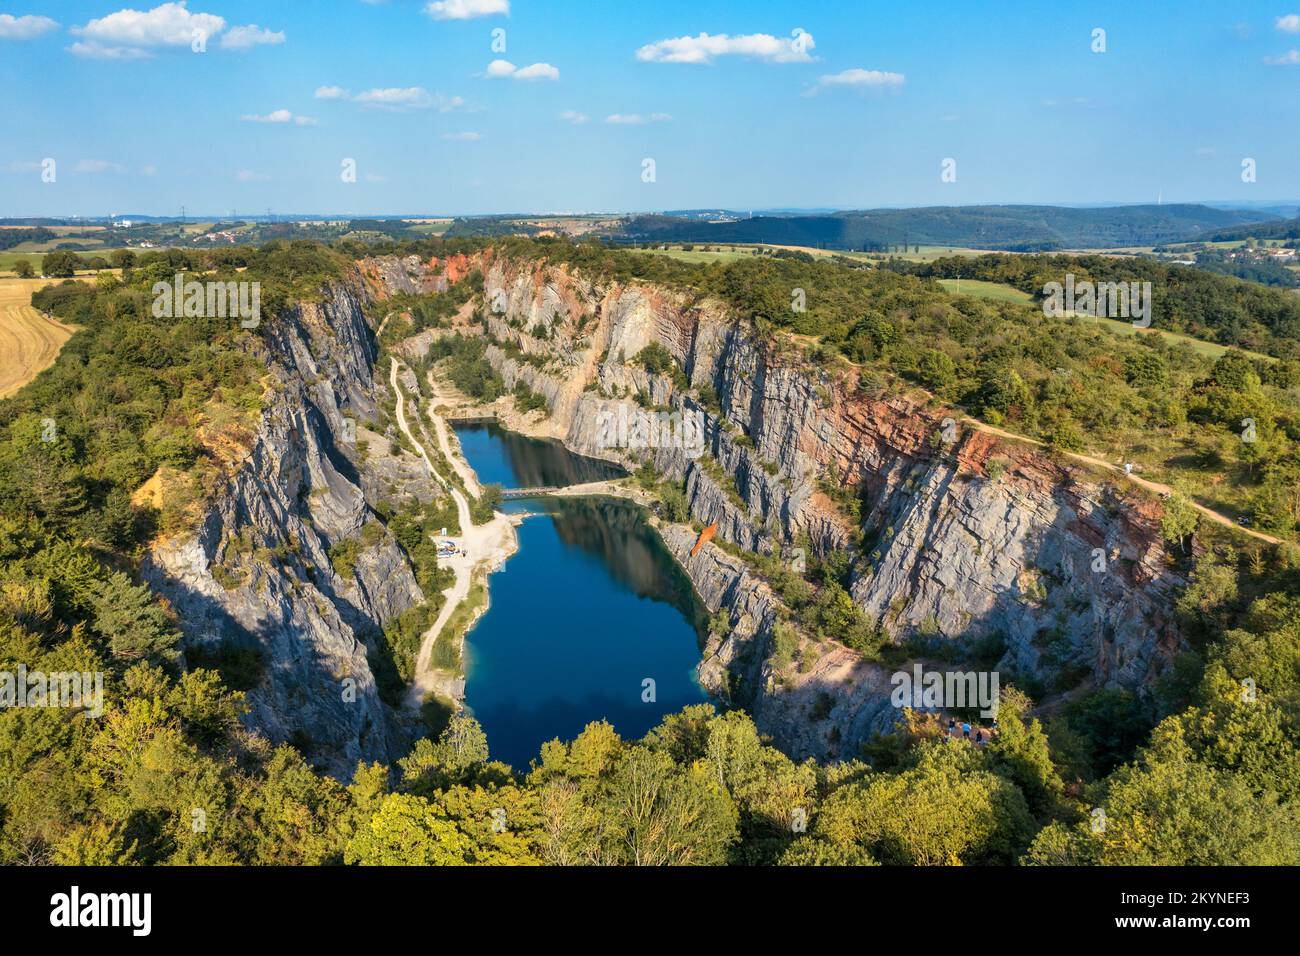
[
  {"x": 512, "y": 460},
  {"x": 590, "y": 607}
]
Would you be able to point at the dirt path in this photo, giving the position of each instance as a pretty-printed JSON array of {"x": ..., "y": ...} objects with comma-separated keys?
[
  {"x": 484, "y": 546},
  {"x": 453, "y": 455},
  {"x": 1155, "y": 486}
]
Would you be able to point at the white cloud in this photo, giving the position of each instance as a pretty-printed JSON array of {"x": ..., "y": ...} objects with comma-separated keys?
[
  {"x": 97, "y": 166},
  {"x": 1289, "y": 23},
  {"x": 705, "y": 47},
  {"x": 574, "y": 117},
  {"x": 275, "y": 116},
  {"x": 537, "y": 71},
  {"x": 468, "y": 137},
  {"x": 17, "y": 166},
  {"x": 403, "y": 99},
  {"x": 331, "y": 93},
  {"x": 396, "y": 98},
  {"x": 636, "y": 119},
  {"x": 24, "y": 28},
  {"x": 1289, "y": 58},
  {"x": 499, "y": 69},
  {"x": 281, "y": 117},
  {"x": 248, "y": 176},
  {"x": 862, "y": 79},
  {"x": 247, "y": 37},
  {"x": 132, "y": 34},
  {"x": 466, "y": 9},
  {"x": 98, "y": 51},
  {"x": 137, "y": 34}
]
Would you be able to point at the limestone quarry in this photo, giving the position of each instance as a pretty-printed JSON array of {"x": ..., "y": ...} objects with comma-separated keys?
[{"x": 964, "y": 536}]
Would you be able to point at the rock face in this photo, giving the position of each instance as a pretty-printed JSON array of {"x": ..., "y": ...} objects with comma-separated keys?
[
  {"x": 257, "y": 575},
  {"x": 965, "y": 538},
  {"x": 966, "y": 545}
]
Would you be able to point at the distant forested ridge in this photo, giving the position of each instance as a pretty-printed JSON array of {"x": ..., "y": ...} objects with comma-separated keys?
[
  {"x": 1277, "y": 229},
  {"x": 16, "y": 237},
  {"x": 1009, "y": 228}
]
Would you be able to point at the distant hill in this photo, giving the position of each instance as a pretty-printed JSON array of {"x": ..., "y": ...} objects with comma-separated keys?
[
  {"x": 1278, "y": 229},
  {"x": 1010, "y": 228}
]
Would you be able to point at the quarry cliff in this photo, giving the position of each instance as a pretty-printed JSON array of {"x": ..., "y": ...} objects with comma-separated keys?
[
  {"x": 962, "y": 539},
  {"x": 965, "y": 539}
]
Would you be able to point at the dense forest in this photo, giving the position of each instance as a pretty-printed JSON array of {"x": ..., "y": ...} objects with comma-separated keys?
[
  {"x": 1010, "y": 228},
  {"x": 16, "y": 237},
  {"x": 1284, "y": 229},
  {"x": 1204, "y": 771},
  {"x": 1210, "y": 307}
]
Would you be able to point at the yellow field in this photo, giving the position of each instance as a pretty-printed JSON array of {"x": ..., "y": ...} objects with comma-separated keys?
[{"x": 29, "y": 342}]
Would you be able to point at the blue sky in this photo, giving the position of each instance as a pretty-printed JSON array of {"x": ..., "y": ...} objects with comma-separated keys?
[{"x": 860, "y": 112}]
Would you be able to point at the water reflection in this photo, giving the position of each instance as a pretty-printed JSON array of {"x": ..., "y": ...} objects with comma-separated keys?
[
  {"x": 618, "y": 533},
  {"x": 590, "y": 608},
  {"x": 516, "y": 461}
]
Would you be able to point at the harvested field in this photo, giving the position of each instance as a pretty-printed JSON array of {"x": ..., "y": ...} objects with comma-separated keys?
[{"x": 29, "y": 342}]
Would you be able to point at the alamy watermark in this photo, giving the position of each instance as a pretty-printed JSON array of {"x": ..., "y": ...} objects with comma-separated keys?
[
  {"x": 945, "y": 690},
  {"x": 72, "y": 689},
  {"x": 635, "y": 428},
  {"x": 1110, "y": 300},
  {"x": 208, "y": 300}
]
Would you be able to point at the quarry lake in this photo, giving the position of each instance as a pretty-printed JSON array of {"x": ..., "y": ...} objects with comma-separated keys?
[{"x": 590, "y": 607}]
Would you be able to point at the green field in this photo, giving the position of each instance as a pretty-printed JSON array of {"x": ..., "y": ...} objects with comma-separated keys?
[
  {"x": 1209, "y": 349},
  {"x": 431, "y": 228},
  {"x": 11, "y": 256},
  {"x": 981, "y": 289}
]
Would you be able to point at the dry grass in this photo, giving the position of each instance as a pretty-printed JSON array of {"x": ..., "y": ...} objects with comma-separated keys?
[{"x": 29, "y": 342}]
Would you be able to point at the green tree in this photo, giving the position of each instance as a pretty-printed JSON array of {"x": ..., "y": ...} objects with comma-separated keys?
[
  {"x": 130, "y": 620},
  {"x": 945, "y": 810},
  {"x": 658, "y": 814},
  {"x": 407, "y": 830},
  {"x": 1019, "y": 751},
  {"x": 60, "y": 265},
  {"x": 1178, "y": 520},
  {"x": 936, "y": 369}
]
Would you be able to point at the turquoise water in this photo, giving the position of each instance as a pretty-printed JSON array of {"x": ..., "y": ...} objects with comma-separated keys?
[{"x": 590, "y": 607}]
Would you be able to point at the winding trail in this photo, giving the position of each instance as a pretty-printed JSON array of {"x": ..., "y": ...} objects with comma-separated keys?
[
  {"x": 485, "y": 546},
  {"x": 1157, "y": 487},
  {"x": 458, "y": 462}
]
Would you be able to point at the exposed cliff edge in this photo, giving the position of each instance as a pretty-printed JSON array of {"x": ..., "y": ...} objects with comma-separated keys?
[
  {"x": 972, "y": 539},
  {"x": 256, "y": 576},
  {"x": 964, "y": 538}
]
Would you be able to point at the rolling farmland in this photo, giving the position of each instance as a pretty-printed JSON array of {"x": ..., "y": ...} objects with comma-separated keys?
[{"x": 29, "y": 342}]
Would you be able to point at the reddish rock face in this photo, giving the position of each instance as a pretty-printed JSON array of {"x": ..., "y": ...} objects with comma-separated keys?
[
  {"x": 453, "y": 268},
  {"x": 1054, "y": 562}
]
